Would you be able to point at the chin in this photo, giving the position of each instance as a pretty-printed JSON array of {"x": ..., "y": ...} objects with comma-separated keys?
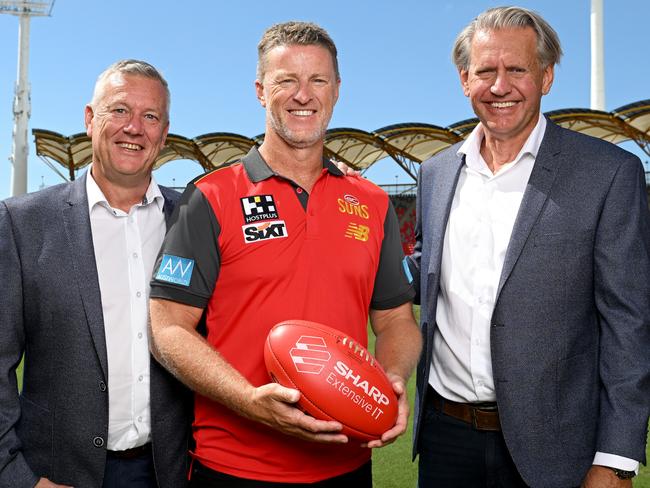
[{"x": 303, "y": 141}]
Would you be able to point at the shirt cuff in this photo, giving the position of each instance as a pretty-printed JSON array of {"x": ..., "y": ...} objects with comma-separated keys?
[{"x": 618, "y": 462}]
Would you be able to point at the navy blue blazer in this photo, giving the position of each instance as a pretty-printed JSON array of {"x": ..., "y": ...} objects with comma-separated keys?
[
  {"x": 570, "y": 330},
  {"x": 50, "y": 310}
]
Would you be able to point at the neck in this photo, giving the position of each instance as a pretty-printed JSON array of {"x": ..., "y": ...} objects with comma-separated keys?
[
  {"x": 498, "y": 152},
  {"x": 301, "y": 165},
  {"x": 120, "y": 194}
]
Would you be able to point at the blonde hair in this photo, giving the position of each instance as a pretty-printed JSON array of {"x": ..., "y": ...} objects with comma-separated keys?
[{"x": 549, "y": 50}]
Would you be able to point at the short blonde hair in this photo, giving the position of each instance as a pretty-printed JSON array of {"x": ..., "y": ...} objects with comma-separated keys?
[
  {"x": 549, "y": 50},
  {"x": 294, "y": 32}
]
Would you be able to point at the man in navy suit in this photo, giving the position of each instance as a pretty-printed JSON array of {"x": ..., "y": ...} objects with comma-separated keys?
[
  {"x": 533, "y": 264},
  {"x": 95, "y": 410}
]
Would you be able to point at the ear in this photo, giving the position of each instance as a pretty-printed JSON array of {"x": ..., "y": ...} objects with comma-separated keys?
[
  {"x": 259, "y": 91},
  {"x": 88, "y": 120},
  {"x": 165, "y": 132},
  {"x": 336, "y": 90},
  {"x": 464, "y": 81},
  {"x": 547, "y": 79}
]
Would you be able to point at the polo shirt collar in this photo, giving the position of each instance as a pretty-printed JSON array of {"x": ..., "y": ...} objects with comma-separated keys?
[{"x": 258, "y": 169}]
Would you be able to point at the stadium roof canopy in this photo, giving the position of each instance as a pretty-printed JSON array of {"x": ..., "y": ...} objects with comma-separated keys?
[{"x": 407, "y": 144}]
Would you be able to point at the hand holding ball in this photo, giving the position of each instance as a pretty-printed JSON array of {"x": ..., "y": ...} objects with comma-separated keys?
[{"x": 337, "y": 377}]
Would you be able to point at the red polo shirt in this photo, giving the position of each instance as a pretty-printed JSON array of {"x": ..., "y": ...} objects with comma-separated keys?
[{"x": 255, "y": 249}]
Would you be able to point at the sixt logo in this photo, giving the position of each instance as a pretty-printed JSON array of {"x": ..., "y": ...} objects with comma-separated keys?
[
  {"x": 310, "y": 355},
  {"x": 349, "y": 204},
  {"x": 174, "y": 269},
  {"x": 267, "y": 230}
]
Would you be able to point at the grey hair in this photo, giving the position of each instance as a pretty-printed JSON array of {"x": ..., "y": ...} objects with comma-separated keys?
[
  {"x": 296, "y": 33},
  {"x": 549, "y": 50},
  {"x": 132, "y": 67}
]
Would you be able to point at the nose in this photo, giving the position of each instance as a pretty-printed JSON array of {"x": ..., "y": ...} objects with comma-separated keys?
[
  {"x": 501, "y": 85},
  {"x": 134, "y": 125},
  {"x": 303, "y": 93}
]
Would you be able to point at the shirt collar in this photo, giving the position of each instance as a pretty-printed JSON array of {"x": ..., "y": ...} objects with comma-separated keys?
[
  {"x": 471, "y": 148},
  {"x": 258, "y": 169},
  {"x": 96, "y": 195}
]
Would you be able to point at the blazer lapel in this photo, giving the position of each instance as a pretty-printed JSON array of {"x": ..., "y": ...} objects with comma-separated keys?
[
  {"x": 76, "y": 222},
  {"x": 441, "y": 196},
  {"x": 539, "y": 185}
]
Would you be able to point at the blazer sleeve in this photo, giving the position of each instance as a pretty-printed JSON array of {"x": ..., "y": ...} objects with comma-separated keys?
[
  {"x": 14, "y": 470},
  {"x": 622, "y": 297}
]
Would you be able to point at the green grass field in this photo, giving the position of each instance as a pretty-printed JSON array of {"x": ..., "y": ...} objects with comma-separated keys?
[{"x": 392, "y": 466}]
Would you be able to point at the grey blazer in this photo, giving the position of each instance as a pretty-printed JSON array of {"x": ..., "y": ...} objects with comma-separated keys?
[
  {"x": 50, "y": 309},
  {"x": 570, "y": 335}
]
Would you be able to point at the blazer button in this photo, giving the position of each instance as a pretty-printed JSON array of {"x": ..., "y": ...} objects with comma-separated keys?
[
  {"x": 102, "y": 386},
  {"x": 98, "y": 441}
]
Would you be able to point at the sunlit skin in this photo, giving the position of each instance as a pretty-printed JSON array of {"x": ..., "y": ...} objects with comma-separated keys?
[
  {"x": 128, "y": 125},
  {"x": 299, "y": 91},
  {"x": 505, "y": 84}
]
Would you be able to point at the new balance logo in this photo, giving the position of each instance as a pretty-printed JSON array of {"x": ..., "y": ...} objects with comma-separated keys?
[
  {"x": 174, "y": 269},
  {"x": 358, "y": 232},
  {"x": 310, "y": 355}
]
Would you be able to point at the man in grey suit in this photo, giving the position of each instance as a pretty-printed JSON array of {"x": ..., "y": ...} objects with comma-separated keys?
[
  {"x": 95, "y": 410},
  {"x": 533, "y": 264}
]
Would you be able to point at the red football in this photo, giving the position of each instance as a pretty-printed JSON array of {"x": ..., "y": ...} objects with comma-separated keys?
[{"x": 337, "y": 377}]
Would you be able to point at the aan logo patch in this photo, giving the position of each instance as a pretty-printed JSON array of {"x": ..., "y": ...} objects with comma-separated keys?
[
  {"x": 174, "y": 269},
  {"x": 258, "y": 207}
]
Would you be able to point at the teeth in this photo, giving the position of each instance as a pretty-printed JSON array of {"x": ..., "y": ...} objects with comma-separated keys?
[
  {"x": 302, "y": 113},
  {"x": 502, "y": 104},
  {"x": 133, "y": 147}
]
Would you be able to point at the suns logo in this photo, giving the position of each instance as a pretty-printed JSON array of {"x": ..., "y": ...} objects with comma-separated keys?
[{"x": 350, "y": 204}]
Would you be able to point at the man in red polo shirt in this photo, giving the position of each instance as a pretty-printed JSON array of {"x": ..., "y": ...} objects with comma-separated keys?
[{"x": 281, "y": 234}]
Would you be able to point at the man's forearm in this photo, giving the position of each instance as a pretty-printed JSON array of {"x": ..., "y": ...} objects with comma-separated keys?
[
  {"x": 399, "y": 340},
  {"x": 190, "y": 358}
]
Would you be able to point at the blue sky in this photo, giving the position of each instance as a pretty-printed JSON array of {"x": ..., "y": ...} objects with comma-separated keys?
[{"x": 394, "y": 59}]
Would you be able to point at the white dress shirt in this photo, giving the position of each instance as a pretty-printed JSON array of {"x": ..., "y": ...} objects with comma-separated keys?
[
  {"x": 126, "y": 246},
  {"x": 480, "y": 223}
]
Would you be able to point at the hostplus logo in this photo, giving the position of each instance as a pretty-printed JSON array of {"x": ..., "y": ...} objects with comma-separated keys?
[
  {"x": 310, "y": 355},
  {"x": 258, "y": 207}
]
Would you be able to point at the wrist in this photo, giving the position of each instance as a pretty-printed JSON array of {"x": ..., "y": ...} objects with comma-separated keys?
[{"x": 621, "y": 474}]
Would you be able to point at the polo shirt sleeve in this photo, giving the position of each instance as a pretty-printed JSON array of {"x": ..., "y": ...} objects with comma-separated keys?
[
  {"x": 392, "y": 285},
  {"x": 189, "y": 261}
]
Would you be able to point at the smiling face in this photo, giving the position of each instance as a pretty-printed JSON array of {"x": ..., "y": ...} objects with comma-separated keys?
[
  {"x": 128, "y": 125},
  {"x": 299, "y": 91},
  {"x": 505, "y": 82}
]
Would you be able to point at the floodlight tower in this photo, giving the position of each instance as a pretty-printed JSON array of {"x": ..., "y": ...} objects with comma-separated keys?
[
  {"x": 24, "y": 9},
  {"x": 597, "y": 57}
]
